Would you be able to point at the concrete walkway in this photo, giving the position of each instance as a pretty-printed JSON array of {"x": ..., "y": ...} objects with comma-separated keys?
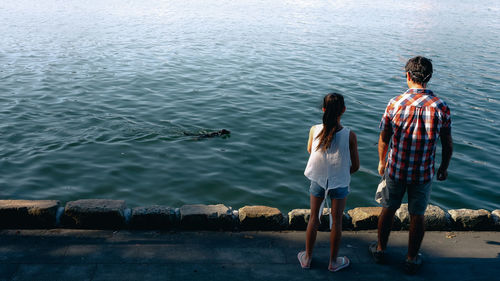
[{"x": 65, "y": 254}]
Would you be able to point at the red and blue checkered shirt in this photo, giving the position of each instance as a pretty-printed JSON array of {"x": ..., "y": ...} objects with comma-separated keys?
[{"x": 415, "y": 119}]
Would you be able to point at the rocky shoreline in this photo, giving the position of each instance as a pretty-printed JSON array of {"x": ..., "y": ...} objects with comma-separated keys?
[{"x": 114, "y": 214}]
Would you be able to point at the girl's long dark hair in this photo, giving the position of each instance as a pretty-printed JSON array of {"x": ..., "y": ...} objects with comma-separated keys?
[{"x": 334, "y": 105}]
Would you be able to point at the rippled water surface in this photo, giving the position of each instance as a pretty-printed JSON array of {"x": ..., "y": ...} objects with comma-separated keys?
[{"x": 96, "y": 96}]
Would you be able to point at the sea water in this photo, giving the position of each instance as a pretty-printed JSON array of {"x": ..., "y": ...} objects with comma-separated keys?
[{"x": 100, "y": 99}]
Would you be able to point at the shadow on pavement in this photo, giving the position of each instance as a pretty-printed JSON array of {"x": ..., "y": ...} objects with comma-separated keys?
[{"x": 62, "y": 254}]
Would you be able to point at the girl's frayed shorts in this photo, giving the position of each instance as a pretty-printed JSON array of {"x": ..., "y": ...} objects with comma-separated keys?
[{"x": 337, "y": 193}]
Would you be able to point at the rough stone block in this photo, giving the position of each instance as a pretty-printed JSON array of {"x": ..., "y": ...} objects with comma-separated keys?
[
  {"x": 94, "y": 214},
  {"x": 495, "y": 215},
  {"x": 299, "y": 218},
  {"x": 153, "y": 217},
  {"x": 28, "y": 213},
  {"x": 364, "y": 218},
  {"x": 325, "y": 221},
  {"x": 347, "y": 222},
  {"x": 466, "y": 219},
  {"x": 261, "y": 218},
  {"x": 435, "y": 218},
  {"x": 206, "y": 217}
]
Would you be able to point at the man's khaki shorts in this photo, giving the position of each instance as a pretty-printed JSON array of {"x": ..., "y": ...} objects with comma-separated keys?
[{"x": 418, "y": 196}]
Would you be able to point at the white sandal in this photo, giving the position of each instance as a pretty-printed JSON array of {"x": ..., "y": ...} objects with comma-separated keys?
[
  {"x": 342, "y": 262},
  {"x": 303, "y": 263}
]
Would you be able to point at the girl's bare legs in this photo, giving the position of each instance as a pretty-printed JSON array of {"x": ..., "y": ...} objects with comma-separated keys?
[
  {"x": 337, "y": 210},
  {"x": 312, "y": 226}
]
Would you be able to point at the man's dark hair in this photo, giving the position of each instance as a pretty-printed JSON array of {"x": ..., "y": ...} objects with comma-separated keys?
[{"x": 420, "y": 69}]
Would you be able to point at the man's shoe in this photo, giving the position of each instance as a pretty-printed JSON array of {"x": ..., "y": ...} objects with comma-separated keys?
[
  {"x": 378, "y": 256},
  {"x": 412, "y": 266}
]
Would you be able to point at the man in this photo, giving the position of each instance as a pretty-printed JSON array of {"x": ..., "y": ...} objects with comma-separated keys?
[{"x": 411, "y": 125}]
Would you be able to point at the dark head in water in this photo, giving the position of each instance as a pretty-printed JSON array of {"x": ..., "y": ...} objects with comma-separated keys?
[
  {"x": 222, "y": 132},
  {"x": 202, "y": 135}
]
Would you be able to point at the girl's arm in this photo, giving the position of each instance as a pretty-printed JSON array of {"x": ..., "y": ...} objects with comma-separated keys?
[
  {"x": 353, "y": 149},
  {"x": 310, "y": 141}
]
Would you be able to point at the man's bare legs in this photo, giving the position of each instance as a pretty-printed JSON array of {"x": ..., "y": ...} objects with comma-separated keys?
[
  {"x": 417, "y": 230},
  {"x": 416, "y": 233},
  {"x": 384, "y": 227}
]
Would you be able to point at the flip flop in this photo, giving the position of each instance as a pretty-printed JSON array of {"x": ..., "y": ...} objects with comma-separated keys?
[
  {"x": 412, "y": 267},
  {"x": 378, "y": 256},
  {"x": 303, "y": 263},
  {"x": 342, "y": 262}
]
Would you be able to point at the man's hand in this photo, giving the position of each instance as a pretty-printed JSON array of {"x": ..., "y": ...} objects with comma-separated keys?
[
  {"x": 381, "y": 168},
  {"x": 442, "y": 174},
  {"x": 447, "y": 143}
]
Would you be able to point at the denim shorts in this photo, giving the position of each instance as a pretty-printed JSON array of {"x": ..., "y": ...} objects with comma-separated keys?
[
  {"x": 418, "y": 196},
  {"x": 337, "y": 193}
]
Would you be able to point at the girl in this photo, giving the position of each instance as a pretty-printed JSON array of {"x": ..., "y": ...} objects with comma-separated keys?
[{"x": 334, "y": 157}]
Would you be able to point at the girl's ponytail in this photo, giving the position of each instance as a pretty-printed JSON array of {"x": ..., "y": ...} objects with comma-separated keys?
[{"x": 334, "y": 105}]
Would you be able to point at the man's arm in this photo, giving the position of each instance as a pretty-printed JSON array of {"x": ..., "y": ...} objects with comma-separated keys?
[
  {"x": 383, "y": 146},
  {"x": 447, "y": 145}
]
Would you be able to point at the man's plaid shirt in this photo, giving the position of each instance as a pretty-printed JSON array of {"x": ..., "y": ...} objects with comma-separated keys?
[{"x": 415, "y": 119}]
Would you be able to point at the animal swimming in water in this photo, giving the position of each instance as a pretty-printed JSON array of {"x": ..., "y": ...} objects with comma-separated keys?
[{"x": 204, "y": 135}]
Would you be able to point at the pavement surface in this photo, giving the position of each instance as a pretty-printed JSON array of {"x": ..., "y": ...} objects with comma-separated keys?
[{"x": 66, "y": 254}]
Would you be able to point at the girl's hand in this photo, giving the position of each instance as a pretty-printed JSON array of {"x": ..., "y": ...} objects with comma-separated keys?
[
  {"x": 310, "y": 141},
  {"x": 353, "y": 150},
  {"x": 381, "y": 168}
]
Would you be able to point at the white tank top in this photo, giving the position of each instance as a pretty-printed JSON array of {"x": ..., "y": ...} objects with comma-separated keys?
[{"x": 330, "y": 168}]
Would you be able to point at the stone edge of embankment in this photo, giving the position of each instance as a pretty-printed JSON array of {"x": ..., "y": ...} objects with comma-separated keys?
[{"x": 114, "y": 214}]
